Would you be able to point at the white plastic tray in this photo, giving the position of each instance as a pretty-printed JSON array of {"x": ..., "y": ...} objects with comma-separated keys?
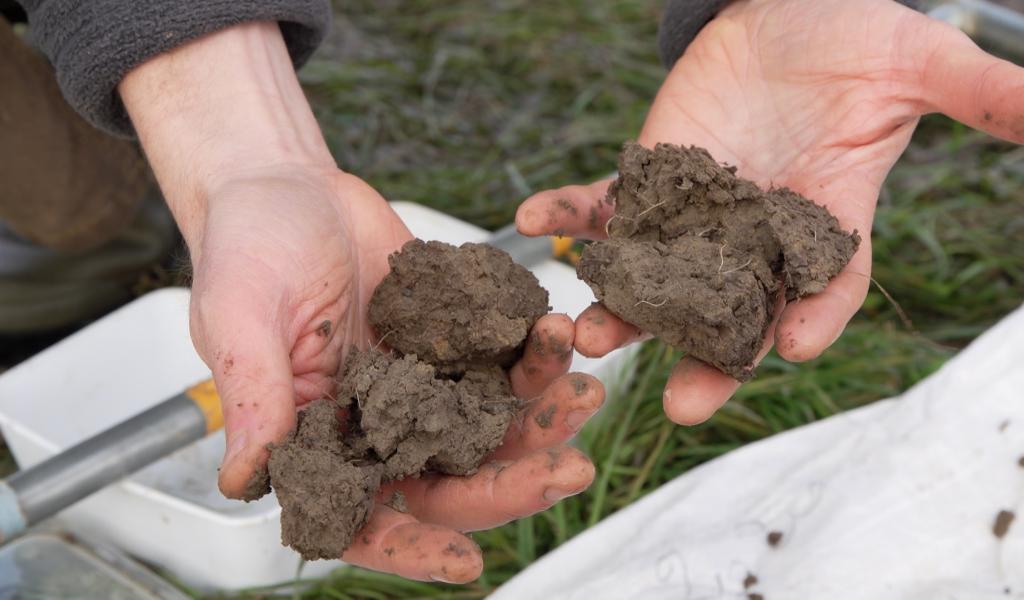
[{"x": 171, "y": 514}]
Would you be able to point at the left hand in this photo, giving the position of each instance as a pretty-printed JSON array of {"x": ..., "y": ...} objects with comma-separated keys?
[
  {"x": 264, "y": 285},
  {"x": 287, "y": 250},
  {"x": 820, "y": 96}
]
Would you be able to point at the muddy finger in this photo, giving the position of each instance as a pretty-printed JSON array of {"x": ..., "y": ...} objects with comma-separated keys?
[
  {"x": 554, "y": 417},
  {"x": 394, "y": 542},
  {"x": 578, "y": 211},
  {"x": 598, "y": 332},
  {"x": 809, "y": 326},
  {"x": 547, "y": 356},
  {"x": 695, "y": 390},
  {"x": 501, "y": 491}
]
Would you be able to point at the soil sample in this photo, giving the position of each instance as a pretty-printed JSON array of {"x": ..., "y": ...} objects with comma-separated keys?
[
  {"x": 415, "y": 418},
  {"x": 697, "y": 256},
  {"x": 439, "y": 402},
  {"x": 326, "y": 485},
  {"x": 470, "y": 307}
]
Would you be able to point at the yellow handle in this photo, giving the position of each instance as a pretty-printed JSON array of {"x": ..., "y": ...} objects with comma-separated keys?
[
  {"x": 563, "y": 246},
  {"x": 204, "y": 394}
]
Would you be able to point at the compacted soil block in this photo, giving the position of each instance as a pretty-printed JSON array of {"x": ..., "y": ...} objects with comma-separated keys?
[
  {"x": 438, "y": 402},
  {"x": 324, "y": 486},
  {"x": 698, "y": 257},
  {"x": 470, "y": 305}
]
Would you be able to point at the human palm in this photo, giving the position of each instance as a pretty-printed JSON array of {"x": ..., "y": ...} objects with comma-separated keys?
[
  {"x": 284, "y": 270},
  {"x": 820, "y": 96}
]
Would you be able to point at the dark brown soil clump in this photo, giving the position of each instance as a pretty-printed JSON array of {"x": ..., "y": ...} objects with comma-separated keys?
[
  {"x": 416, "y": 419},
  {"x": 1001, "y": 525},
  {"x": 749, "y": 581},
  {"x": 326, "y": 489},
  {"x": 455, "y": 306},
  {"x": 397, "y": 415},
  {"x": 698, "y": 256}
]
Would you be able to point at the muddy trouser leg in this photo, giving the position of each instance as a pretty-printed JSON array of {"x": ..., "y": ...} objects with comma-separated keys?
[
  {"x": 65, "y": 184},
  {"x": 79, "y": 216}
]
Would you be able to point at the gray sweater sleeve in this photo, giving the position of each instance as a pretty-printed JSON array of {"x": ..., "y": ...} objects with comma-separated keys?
[
  {"x": 94, "y": 43},
  {"x": 683, "y": 20}
]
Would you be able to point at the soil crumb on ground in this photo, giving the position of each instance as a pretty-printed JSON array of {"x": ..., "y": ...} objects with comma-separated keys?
[
  {"x": 413, "y": 418},
  {"x": 1002, "y": 523},
  {"x": 698, "y": 256},
  {"x": 439, "y": 403}
]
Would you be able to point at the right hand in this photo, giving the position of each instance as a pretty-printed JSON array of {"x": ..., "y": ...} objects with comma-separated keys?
[{"x": 820, "y": 96}]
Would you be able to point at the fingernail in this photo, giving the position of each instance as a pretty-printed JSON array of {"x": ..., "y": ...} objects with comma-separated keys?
[
  {"x": 236, "y": 446},
  {"x": 576, "y": 418},
  {"x": 553, "y": 494}
]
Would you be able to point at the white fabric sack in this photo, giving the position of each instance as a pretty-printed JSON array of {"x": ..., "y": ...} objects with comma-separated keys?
[{"x": 896, "y": 500}]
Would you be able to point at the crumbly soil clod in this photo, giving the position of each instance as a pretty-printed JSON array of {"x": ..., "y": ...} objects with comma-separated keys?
[
  {"x": 257, "y": 486},
  {"x": 441, "y": 404},
  {"x": 470, "y": 305},
  {"x": 326, "y": 497},
  {"x": 698, "y": 256},
  {"x": 414, "y": 418}
]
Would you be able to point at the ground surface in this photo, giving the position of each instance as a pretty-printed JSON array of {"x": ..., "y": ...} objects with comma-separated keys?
[{"x": 469, "y": 106}]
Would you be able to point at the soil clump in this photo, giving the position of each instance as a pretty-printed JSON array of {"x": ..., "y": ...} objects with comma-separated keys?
[
  {"x": 439, "y": 402},
  {"x": 471, "y": 307},
  {"x": 698, "y": 257}
]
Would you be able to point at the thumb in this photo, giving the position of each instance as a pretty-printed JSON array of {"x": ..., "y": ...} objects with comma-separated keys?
[
  {"x": 243, "y": 342},
  {"x": 966, "y": 83}
]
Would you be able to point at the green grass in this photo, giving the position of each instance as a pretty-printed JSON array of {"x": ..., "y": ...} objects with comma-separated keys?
[{"x": 469, "y": 106}]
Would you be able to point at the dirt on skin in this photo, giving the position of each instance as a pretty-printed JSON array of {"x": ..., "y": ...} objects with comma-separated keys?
[
  {"x": 397, "y": 415},
  {"x": 698, "y": 256}
]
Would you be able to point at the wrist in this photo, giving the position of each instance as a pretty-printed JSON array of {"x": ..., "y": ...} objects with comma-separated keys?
[{"x": 220, "y": 108}]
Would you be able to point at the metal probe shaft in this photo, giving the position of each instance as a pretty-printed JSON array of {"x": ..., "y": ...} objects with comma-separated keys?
[
  {"x": 33, "y": 494},
  {"x": 38, "y": 492}
]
